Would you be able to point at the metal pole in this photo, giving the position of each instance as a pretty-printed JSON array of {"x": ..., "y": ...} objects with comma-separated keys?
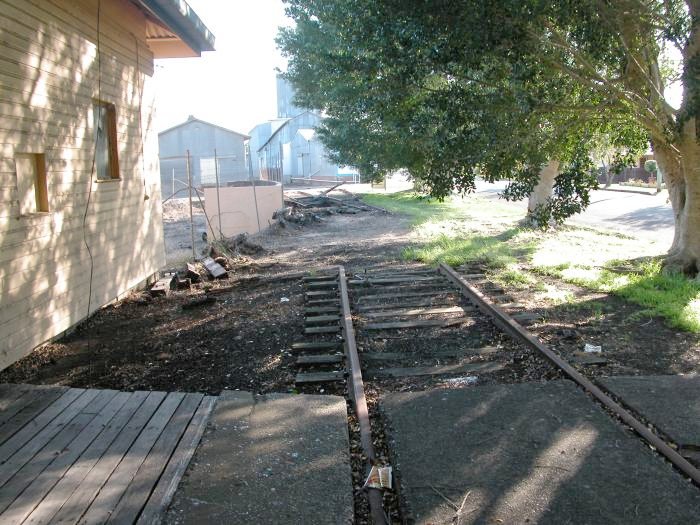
[
  {"x": 189, "y": 185},
  {"x": 218, "y": 200}
]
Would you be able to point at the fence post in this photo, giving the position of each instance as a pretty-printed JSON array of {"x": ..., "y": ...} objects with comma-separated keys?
[
  {"x": 218, "y": 200},
  {"x": 189, "y": 186}
]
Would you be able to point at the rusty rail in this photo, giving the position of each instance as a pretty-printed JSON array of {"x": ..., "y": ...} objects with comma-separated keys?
[
  {"x": 517, "y": 332},
  {"x": 357, "y": 393}
]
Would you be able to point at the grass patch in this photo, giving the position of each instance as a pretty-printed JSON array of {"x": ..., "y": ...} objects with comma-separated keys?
[{"x": 478, "y": 230}]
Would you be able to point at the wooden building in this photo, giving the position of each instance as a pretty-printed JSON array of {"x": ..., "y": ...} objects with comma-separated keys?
[{"x": 80, "y": 213}]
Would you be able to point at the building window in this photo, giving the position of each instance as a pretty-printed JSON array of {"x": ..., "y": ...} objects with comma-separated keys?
[
  {"x": 106, "y": 156},
  {"x": 32, "y": 186}
]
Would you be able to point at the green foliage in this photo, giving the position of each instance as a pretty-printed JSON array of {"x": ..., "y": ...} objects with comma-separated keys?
[
  {"x": 449, "y": 90},
  {"x": 650, "y": 166}
]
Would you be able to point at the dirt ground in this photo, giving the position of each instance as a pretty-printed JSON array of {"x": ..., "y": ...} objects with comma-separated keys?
[{"x": 242, "y": 340}]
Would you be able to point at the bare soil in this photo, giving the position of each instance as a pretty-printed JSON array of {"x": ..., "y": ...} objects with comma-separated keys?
[{"x": 242, "y": 341}]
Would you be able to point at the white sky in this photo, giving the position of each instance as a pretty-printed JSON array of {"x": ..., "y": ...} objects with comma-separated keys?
[{"x": 233, "y": 86}]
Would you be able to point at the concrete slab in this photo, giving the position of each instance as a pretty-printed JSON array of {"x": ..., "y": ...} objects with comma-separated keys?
[
  {"x": 671, "y": 403},
  {"x": 270, "y": 459},
  {"x": 527, "y": 453}
]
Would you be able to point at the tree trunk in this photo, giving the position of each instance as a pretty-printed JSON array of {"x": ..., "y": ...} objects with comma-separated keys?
[
  {"x": 682, "y": 172},
  {"x": 543, "y": 191}
]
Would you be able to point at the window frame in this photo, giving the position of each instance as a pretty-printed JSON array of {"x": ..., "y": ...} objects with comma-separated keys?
[{"x": 110, "y": 113}]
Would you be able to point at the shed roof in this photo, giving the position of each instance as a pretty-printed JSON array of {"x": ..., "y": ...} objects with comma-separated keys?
[
  {"x": 282, "y": 127},
  {"x": 192, "y": 119},
  {"x": 174, "y": 29}
]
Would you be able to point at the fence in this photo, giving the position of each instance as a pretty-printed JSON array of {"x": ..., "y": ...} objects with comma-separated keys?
[{"x": 237, "y": 202}]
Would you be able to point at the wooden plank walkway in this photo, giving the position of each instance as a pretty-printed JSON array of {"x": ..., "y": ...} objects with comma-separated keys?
[{"x": 72, "y": 455}]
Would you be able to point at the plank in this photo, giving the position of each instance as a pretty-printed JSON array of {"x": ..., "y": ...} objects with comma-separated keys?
[
  {"x": 416, "y": 324},
  {"x": 113, "y": 489},
  {"x": 384, "y": 296},
  {"x": 420, "y": 311},
  {"x": 319, "y": 285},
  {"x": 57, "y": 493},
  {"x": 319, "y": 377},
  {"x": 459, "y": 352},
  {"x": 136, "y": 495},
  {"x": 393, "y": 280},
  {"x": 41, "y": 485},
  {"x": 84, "y": 480},
  {"x": 164, "y": 491},
  {"x": 70, "y": 442},
  {"x": 526, "y": 317},
  {"x": 31, "y": 403},
  {"x": 333, "y": 300},
  {"x": 214, "y": 268},
  {"x": 163, "y": 286},
  {"x": 324, "y": 359},
  {"x": 320, "y": 345},
  {"x": 320, "y": 309},
  {"x": 18, "y": 439},
  {"x": 322, "y": 330},
  {"x": 25, "y": 454},
  {"x": 402, "y": 289},
  {"x": 321, "y": 293},
  {"x": 436, "y": 370},
  {"x": 321, "y": 319},
  {"x": 314, "y": 278},
  {"x": 9, "y": 393},
  {"x": 437, "y": 302},
  {"x": 397, "y": 273}
]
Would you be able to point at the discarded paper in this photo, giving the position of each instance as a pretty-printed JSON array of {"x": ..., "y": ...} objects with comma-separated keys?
[
  {"x": 592, "y": 349},
  {"x": 379, "y": 478}
]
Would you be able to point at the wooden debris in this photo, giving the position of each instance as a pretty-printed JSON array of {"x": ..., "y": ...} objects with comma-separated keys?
[
  {"x": 199, "y": 301},
  {"x": 192, "y": 273},
  {"x": 215, "y": 269},
  {"x": 163, "y": 285}
]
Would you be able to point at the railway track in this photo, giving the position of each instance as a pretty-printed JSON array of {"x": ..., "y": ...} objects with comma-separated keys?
[{"x": 427, "y": 327}]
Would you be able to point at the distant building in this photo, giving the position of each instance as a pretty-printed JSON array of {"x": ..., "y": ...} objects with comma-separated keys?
[
  {"x": 288, "y": 148},
  {"x": 203, "y": 140}
]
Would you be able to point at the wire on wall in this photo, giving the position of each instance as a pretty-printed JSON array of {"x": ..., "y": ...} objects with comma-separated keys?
[{"x": 93, "y": 170}]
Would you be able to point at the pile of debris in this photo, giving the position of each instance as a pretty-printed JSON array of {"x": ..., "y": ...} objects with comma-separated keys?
[{"x": 312, "y": 208}]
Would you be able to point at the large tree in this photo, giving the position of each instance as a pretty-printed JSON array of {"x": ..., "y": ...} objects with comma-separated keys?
[{"x": 452, "y": 88}]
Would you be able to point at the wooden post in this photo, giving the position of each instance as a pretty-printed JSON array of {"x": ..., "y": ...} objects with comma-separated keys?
[
  {"x": 189, "y": 186},
  {"x": 218, "y": 199}
]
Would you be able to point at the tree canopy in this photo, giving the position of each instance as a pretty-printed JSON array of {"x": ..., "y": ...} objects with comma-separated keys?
[{"x": 452, "y": 89}]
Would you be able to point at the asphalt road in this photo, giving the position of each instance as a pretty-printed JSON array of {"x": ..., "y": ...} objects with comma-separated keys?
[{"x": 645, "y": 216}]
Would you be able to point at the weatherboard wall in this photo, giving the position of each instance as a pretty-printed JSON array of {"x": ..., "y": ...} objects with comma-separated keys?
[{"x": 99, "y": 238}]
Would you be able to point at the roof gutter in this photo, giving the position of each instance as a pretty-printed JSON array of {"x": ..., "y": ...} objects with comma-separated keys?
[{"x": 179, "y": 17}]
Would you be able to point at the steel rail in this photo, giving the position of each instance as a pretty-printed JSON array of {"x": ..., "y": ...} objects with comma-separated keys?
[
  {"x": 357, "y": 393},
  {"x": 517, "y": 332}
]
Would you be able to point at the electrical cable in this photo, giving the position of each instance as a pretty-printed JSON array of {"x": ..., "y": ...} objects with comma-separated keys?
[{"x": 92, "y": 174}]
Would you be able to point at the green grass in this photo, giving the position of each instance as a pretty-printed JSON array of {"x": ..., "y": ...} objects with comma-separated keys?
[
  {"x": 477, "y": 230},
  {"x": 673, "y": 297}
]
